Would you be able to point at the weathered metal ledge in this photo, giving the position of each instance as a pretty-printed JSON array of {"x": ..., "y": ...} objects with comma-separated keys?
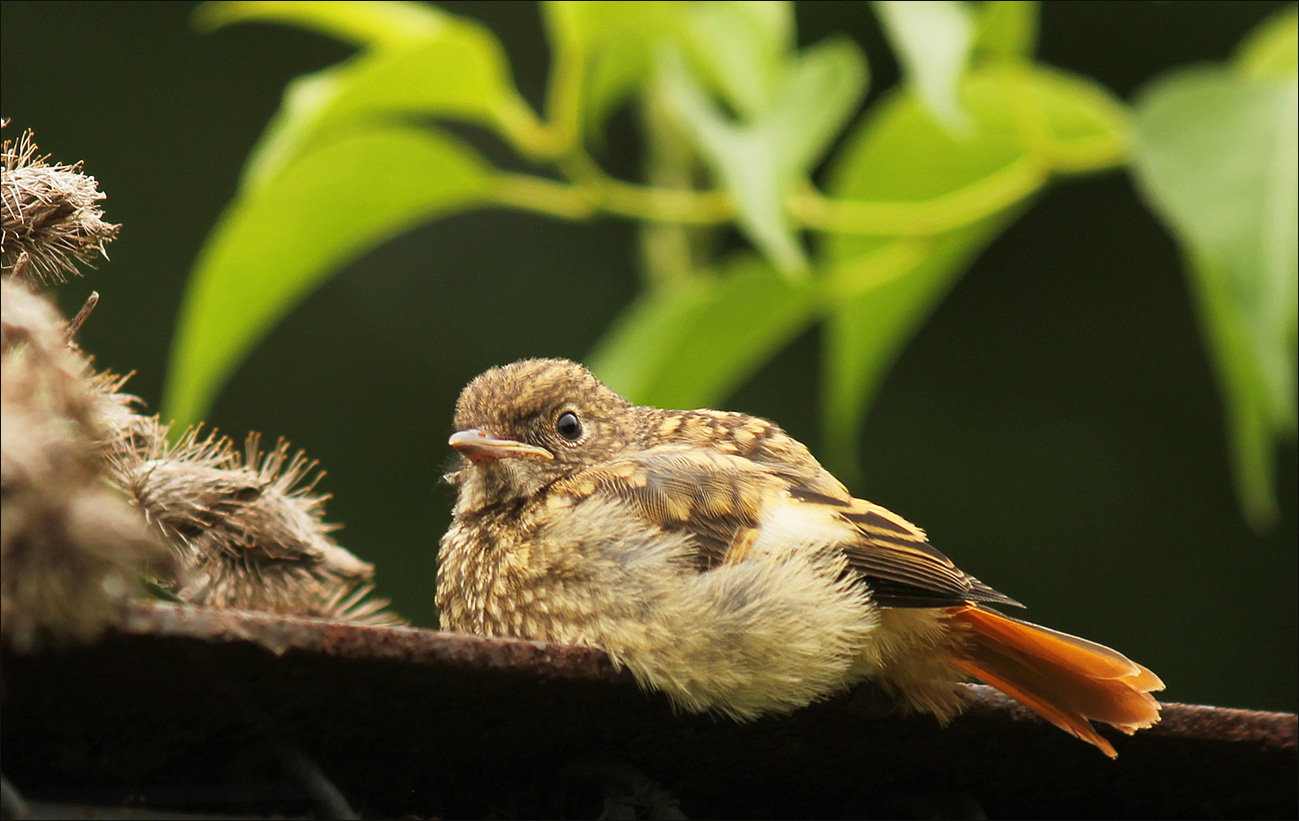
[{"x": 197, "y": 710}]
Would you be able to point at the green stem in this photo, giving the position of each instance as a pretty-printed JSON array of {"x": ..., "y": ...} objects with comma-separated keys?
[
  {"x": 595, "y": 193},
  {"x": 984, "y": 198},
  {"x": 675, "y": 205},
  {"x": 668, "y": 251},
  {"x": 543, "y": 196},
  {"x": 518, "y": 123},
  {"x": 583, "y": 200},
  {"x": 1063, "y": 156},
  {"x": 564, "y": 101}
]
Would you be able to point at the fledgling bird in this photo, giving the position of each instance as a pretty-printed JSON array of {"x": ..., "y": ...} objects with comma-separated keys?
[{"x": 713, "y": 556}]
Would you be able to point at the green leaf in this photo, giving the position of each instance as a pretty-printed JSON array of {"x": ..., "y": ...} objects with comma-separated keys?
[
  {"x": 761, "y": 161},
  {"x": 292, "y": 126},
  {"x": 607, "y": 49},
  {"x": 691, "y": 346},
  {"x": 745, "y": 163},
  {"x": 1034, "y": 116},
  {"x": 1272, "y": 48},
  {"x": 1083, "y": 128},
  {"x": 459, "y": 72},
  {"x": 584, "y": 28},
  {"x": 1217, "y": 158},
  {"x": 359, "y": 23},
  {"x": 276, "y": 243},
  {"x": 742, "y": 50},
  {"x": 776, "y": 17},
  {"x": 932, "y": 42},
  {"x": 1006, "y": 30},
  {"x": 821, "y": 92},
  {"x": 1021, "y": 122},
  {"x": 439, "y": 66}
]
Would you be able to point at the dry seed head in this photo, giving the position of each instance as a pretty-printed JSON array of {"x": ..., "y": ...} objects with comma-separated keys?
[
  {"x": 124, "y": 432},
  {"x": 51, "y": 217},
  {"x": 31, "y": 328},
  {"x": 250, "y": 528},
  {"x": 65, "y": 379},
  {"x": 247, "y": 527},
  {"x": 71, "y": 545}
]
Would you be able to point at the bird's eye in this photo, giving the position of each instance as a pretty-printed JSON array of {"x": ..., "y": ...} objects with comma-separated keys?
[{"x": 569, "y": 427}]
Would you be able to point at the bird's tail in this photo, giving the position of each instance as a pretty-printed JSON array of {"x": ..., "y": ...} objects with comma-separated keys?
[{"x": 1067, "y": 680}]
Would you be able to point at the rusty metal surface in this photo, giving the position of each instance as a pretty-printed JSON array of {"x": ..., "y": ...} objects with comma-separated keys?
[
  {"x": 193, "y": 709},
  {"x": 283, "y": 634}
]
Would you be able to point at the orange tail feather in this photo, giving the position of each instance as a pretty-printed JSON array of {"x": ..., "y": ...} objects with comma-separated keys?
[{"x": 1067, "y": 680}]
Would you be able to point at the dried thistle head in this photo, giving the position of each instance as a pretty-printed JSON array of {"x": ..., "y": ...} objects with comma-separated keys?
[
  {"x": 71, "y": 545},
  {"x": 32, "y": 328},
  {"x": 250, "y": 528},
  {"x": 125, "y": 434},
  {"x": 50, "y": 215},
  {"x": 62, "y": 378}
]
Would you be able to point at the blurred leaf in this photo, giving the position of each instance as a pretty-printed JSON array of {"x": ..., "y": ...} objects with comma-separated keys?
[
  {"x": 776, "y": 17},
  {"x": 1036, "y": 115},
  {"x": 745, "y": 163},
  {"x": 360, "y": 23},
  {"x": 742, "y": 50},
  {"x": 1006, "y": 30},
  {"x": 292, "y": 126},
  {"x": 1217, "y": 158},
  {"x": 691, "y": 346},
  {"x": 277, "y": 243},
  {"x": 932, "y": 42},
  {"x": 611, "y": 49},
  {"x": 454, "y": 68},
  {"x": 1067, "y": 122},
  {"x": 460, "y": 71},
  {"x": 1026, "y": 119},
  {"x": 760, "y": 161},
  {"x": 821, "y": 92},
  {"x": 613, "y": 45},
  {"x": 584, "y": 27},
  {"x": 1272, "y": 48},
  {"x": 1085, "y": 127}
]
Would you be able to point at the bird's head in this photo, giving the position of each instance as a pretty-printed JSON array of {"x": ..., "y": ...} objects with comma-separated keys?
[{"x": 524, "y": 426}]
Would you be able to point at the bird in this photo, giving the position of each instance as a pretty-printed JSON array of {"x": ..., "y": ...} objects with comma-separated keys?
[{"x": 712, "y": 555}]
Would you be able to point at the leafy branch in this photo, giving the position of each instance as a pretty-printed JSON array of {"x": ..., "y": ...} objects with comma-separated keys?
[{"x": 738, "y": 121}]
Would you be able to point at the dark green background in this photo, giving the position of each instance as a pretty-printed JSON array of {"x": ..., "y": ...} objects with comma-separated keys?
[{"x": 1054, "y": 426}]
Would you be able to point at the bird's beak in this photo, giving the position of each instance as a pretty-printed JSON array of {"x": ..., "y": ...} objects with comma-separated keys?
[{"x": 476, "y": 445}]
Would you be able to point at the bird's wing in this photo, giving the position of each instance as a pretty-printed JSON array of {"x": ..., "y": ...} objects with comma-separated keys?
[
  {"x": 723, "y": 501},
  {"x": 896, "y": 558},
  {"x": 714, "y": 497}
]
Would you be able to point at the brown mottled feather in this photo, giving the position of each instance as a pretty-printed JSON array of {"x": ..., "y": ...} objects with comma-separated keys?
[
  {"x": 706, "y": 494},
  {"x": 717, "y": 498}
]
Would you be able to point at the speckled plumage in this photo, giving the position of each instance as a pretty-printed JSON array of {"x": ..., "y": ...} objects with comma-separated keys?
[{"x": 706, "y": 551}]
